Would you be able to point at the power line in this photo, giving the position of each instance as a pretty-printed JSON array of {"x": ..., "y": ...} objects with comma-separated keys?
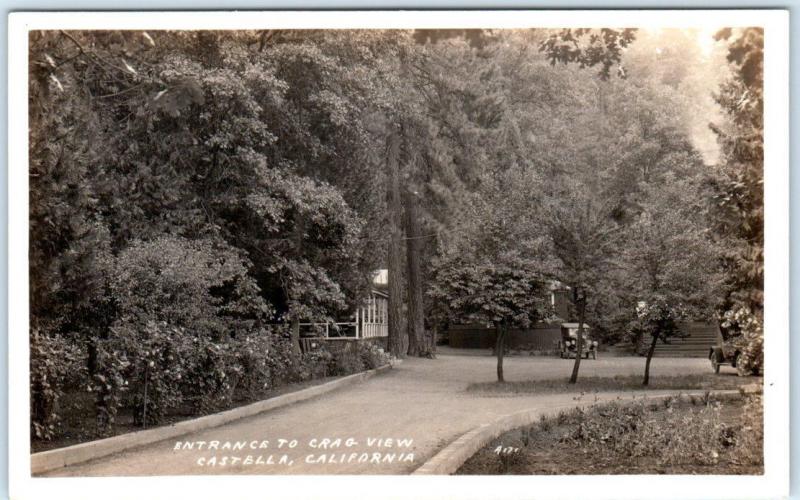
[{"x": 380, "y": 239}]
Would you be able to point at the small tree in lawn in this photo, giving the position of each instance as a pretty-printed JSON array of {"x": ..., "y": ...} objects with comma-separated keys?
[
  {"x": 581, "y": 232},
  {"x": 670, "y": 265},
  {"x": 499, "y": 291},
  {"x": 491, "y": 269}
]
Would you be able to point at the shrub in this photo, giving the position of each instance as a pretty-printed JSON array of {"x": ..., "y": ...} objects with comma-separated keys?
[
  {"x": 372, "y": 356},
  {"x": 146, "y": 362},
  {"x": 52, "y": 361},
  {"x": 348, "y": 360},
  {"x": 179, "y": 302},
  {"x": 213, "y": 375},
  {"x": 253, "y": 354},
  {"x": 750, "y": 341},
  {"x": 200, "y": 285},
  {"x": 751, "y": 360},
  {"x": 286, "y": 366},
  {"x": 318, "y": 362},
  {"x": 109, "y": 382}
]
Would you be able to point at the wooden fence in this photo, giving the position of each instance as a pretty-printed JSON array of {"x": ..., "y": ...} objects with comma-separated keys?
[{"x": 537, "y": 338}]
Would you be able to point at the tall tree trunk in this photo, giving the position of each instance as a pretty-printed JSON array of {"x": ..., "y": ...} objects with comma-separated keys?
[
  {"x": 91, "y": 360},
  {"x": 395, "y": 261},
  {"x": 294, "y": 335},
  {"x": 500, "y": 347},
  {"x": 581, "y": 303},
  {"x": 416, "y": 320},
  {"x": 650, "y": 353},
  {"x": 297, "y": 241}
]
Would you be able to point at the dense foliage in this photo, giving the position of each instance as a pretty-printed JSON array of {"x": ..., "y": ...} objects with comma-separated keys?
[
  {"x": 190, "y": 190},
  {"x": 740, "y": 193}
]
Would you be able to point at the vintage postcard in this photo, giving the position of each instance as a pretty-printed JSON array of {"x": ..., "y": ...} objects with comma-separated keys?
[{"x": 505, "y": 254}]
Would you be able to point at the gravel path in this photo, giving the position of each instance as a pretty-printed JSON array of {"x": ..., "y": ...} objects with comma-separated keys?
[{"x": 420, "y": 400}]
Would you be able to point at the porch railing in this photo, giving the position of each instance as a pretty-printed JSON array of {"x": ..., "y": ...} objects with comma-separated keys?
[
  {"x": 341, "y": 332},
  {"x": 364, "y": 327},
  {"x": 370, "y": 321}
]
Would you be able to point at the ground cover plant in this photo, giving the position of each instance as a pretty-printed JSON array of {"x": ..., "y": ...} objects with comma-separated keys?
[{"x": 692, "y": 435}]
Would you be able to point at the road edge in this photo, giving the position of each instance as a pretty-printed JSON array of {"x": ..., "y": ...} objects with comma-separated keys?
[
  {"x": 46, "y": 461},
  {"x": 448, "y": 460}
]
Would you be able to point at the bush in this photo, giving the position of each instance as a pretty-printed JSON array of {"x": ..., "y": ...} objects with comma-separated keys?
[
  {"x": 179, "y": 302},
  {"x": 348, "y": 360},
  {"x": 200, "y": 285},
  {"x": 356, "y": 357},
  {"x": 318, "y": 362},
  {"x": 253, "y": 354},
  {"x": 53, "y": 360},
  {"x": 372, "y": 356},
  {"x": 750, "y": 341},
  {"x": 146, "y": 363},
  {"x": 285, "y": 364},
  {"x": 213, "y": 375},
  {"x": 109, "y": 383},
  {"x": 175, "y": 342},
  {"x": 155, "y": 368}
]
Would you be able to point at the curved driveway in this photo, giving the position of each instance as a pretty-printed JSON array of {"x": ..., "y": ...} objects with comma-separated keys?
[{"x": 421, "y": 400}]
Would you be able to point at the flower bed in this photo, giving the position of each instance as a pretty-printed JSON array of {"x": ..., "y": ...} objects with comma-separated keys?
[{"x": 698, "y": 436}]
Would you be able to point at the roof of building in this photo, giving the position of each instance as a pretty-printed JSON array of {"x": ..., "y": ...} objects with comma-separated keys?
[{"x": 554, "y": 285}]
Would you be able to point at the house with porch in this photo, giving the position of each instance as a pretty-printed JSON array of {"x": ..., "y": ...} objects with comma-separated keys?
[{"x": 368, "y": 322}]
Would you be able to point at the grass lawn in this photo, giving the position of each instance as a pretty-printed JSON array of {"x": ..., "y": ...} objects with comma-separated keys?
[
  {"x": 700, "y": 436},
  {"x": 705, "y": 381}
]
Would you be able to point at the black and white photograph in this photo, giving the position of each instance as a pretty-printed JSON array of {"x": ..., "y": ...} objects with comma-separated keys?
[{"x": 538, "y": 248}]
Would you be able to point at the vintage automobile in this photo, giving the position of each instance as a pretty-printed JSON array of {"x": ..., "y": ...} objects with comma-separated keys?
[
  {"x": 728, "y": 352},
  {"x": 724, "y": 353},
  {"x": 568, "y": 345}
]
